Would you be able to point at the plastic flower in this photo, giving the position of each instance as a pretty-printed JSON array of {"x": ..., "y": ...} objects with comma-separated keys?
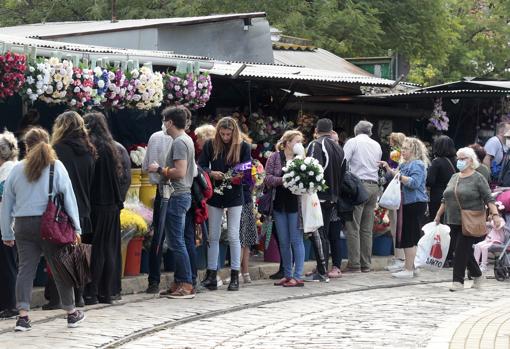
[{"x": 12, "y": 78}]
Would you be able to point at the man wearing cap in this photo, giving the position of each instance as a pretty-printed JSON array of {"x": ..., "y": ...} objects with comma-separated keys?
[
  {"x": 330, "y": 155},
  {"x": 363, "y": 155}
]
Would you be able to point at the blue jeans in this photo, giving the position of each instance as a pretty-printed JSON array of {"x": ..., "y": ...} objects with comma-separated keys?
[
  {"x": 189, "y": 240},
  {"x": 178, "y": 206},
  {"x": 291, "y": 243}
]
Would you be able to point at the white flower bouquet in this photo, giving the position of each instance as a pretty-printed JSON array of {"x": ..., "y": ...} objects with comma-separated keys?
[
  {"x": 304, "y": 176},
  {"x": 49, "y": 80},
  {"x": 145, "y": 89},
  {"x": 138, "y": 155}
]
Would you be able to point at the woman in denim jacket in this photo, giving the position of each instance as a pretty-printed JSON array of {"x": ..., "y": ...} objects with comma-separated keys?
[{"x": 413, "y": 176}]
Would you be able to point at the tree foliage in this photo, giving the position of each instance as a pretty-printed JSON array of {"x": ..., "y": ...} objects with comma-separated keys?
[{"x": 443, "y": 39}]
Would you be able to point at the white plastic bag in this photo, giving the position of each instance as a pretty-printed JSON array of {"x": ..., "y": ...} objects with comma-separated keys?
[
  {"x": 312, "y": 214},
  {"x": 433, "y": 246},
  {"x": 390, "y": 199}
]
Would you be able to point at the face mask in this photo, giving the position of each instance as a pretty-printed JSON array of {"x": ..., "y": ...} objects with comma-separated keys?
[
  {"x": 163, "y": 128},
  {"x": 461, "y": 165},
  {"x": 298, "y": 149}
]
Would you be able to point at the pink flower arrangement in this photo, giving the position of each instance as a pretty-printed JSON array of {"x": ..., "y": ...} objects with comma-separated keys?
[
  {"x": 188, "y": 89},
  {"x": 117, "y": 90},
  {"x": 12, "y": 78},
  {"x": 81, "y": 89},
  {"x": 145, "y": 89}
]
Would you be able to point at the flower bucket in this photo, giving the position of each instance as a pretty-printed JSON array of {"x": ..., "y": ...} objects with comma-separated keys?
[
  {"x": 272, "y": 254},
  {"x": 133, "y": 257},
  {"x": 147, "y": 191},
  {"x": 382, "y": 245},
  {"x": 134, "y": 188}
]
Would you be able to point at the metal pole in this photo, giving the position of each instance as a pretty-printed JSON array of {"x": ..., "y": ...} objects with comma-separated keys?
[{"x": 114, "y": 11}]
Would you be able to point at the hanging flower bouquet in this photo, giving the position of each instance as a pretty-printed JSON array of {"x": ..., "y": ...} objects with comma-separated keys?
[
  {"x": 439, "y": 119},
  {"x": 49, "y": 80},
  {"x": 81, "y": 89},
  {"x": 145, "y": 89},
  {"x": 12, "y": 78},
  {"x": 304, "y": 176},
  {"x": 188, "y": 89},
  {"x": 115, "y": 95}
]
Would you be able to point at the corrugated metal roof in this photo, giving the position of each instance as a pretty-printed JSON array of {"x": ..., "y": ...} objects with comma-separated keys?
[
  {"x": 297, "y": 73},
  {"x": 57, "y": 29},
  {"x": 319, "y": 59},
  {"x": 420, "y": 93}
]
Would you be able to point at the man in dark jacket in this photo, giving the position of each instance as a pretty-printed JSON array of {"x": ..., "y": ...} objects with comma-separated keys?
[{"x": 330, "y": 155}]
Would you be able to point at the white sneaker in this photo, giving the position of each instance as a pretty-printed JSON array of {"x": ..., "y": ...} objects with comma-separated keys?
[
  {"x": 246, "y": 278},
  {"x": 456, "y": 286},
  {"x": 483, "y": 268},
  {"x": 404, "y": 274},
  {"x": 395, "y": 265},
  {"x": 477, "y": 282}
]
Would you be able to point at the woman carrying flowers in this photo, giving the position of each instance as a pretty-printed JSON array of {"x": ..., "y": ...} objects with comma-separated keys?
[
  {"x": 225, "y": 158},
  {"x": 285, "y": 210}
]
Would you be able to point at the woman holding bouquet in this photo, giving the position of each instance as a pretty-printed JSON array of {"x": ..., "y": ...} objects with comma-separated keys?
[
  {"x": 286, "y": 210},
  {"x": 225, "y": 158}
]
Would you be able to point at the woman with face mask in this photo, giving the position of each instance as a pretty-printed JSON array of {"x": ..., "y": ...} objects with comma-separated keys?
[
  {"x": 286, "y": 209},
  {"x": 471, "y": 189},
  {"x": 413, "y": 175},
  {"x": 224, "y": 152}
]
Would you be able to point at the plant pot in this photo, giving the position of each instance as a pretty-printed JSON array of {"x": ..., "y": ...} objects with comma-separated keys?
[
  {"x": 147, "y": 191},
  {"x": 272, "y": 254},
  {"x": 133, "y": 257},
  {"x": 134, "y": 188},
  {"x": 382, "y": 246}
]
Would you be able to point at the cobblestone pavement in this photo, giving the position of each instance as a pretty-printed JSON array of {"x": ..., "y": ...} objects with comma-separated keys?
[{"x": 358, "y": 311}]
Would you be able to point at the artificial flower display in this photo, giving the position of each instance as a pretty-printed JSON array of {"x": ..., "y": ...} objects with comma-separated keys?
[
  {"x": 145, "y": 89},
  {"x": 49, "y": 80},
  {"x": 12, "y": 70}
]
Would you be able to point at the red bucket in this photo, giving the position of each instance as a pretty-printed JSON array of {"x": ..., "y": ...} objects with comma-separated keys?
[{"x": 134, "y": 257}]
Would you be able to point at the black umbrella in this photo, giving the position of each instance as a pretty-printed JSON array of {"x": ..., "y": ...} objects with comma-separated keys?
[
  {"x": 72, "y": 263},
  {"x": 166, "y": 192}
]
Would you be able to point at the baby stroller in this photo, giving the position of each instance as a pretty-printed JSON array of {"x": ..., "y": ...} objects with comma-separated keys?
[{"x": 502, "y": 262}]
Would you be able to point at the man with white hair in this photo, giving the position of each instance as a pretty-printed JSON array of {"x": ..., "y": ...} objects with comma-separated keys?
[{"x": 363, "y": 155}]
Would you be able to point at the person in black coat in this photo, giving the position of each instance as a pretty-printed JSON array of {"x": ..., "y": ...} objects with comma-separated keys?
[
  {"x": 439, "y": 173},
  {"x": 106, "y": 202},
  {"x": 73, "y": 147},
  {"x": 219, "y": 155}
]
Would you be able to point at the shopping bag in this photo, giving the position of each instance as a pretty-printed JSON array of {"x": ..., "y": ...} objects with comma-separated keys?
[
  {"x": 433, "y": 246},
  {"x": 391, "y": 197},
  {"x": 312, "y": 214}
]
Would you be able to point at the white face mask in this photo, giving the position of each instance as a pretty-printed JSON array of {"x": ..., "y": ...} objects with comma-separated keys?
[
  {"x": 298, "y": 149},
  {"x": 163, "y": 128}
]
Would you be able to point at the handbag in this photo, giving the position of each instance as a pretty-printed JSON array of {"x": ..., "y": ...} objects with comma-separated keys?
[
  {"x": 392, "y": 196},
  {"x": 473, "y": 222},
  {"x": 56, "y": 226},
  {"x": 266, "y": 200}
]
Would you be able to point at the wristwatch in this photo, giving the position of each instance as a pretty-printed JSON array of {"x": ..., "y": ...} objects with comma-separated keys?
[{"x": 159, "y": 170}]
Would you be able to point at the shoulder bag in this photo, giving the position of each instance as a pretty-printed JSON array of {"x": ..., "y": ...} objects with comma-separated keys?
[
  {"x": 56, "y": 226},
  {"x": 266, "y": 200},
  {"x": 473, "y": 222}
]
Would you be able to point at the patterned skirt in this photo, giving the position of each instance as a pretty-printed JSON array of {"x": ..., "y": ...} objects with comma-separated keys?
[{"x": 248, "y": 229}]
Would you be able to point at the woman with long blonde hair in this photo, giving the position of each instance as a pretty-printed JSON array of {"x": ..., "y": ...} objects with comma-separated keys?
[
  {"x": 220, "y": 155},
  {"x": 25, "y": 198},
  {"x": 413, "y": 176},
  {"x": 73, "y": 147}
]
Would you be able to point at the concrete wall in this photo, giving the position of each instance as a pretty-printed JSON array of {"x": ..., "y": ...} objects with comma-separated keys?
[
  {"x": 140, "y": 39},
  {"x": 225, "y": 40}
]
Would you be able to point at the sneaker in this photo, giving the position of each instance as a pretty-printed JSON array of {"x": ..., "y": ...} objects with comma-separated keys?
[
  {"x": 456, "y": 286},
  {"x": 477, "y": 282},
  {"x": 396, "y": 265},
  {"x": 366, "y": 269},
  {"x": 76, "y": 318},
  {"x": 483, "y": 268},
  {"x": 22, "y": 324},
  {"x": 184, "y": 291},
  {"x": 8, "y": 314},
  {"x": 404, "y": 274},
  {"x": 246, "y": 278},
  {"x": 335, "y": 273},
  {"x": 173, "y": 287},
  {"x": 153, "y": 288},
  {"x": 316, "y": 278}
]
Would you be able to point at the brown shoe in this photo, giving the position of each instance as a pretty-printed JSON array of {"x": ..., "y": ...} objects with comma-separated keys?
[
  {"x": 184, "y": 291},
  {"x": 173, "y": 287}
]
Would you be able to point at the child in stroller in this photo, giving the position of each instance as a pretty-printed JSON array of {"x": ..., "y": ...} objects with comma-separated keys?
[{"x": 495, "y": 238}]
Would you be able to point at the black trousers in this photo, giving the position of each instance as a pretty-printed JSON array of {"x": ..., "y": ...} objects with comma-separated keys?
[
  {"x": 455, "y": 231},
  {"x": 320, "y": 239},
  {"x": 8, "y": 272},
  {"x": 464, "y": 256},
  {"x": 156, "y": 249}
]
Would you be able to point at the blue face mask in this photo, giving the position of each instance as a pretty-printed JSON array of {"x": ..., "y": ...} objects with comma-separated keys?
[{"x": 461, "y": 165}]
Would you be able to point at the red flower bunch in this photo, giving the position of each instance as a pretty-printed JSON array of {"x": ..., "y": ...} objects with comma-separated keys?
[
  {"x": 381, "y": 220},
  {"x": 12, "y": 78}
]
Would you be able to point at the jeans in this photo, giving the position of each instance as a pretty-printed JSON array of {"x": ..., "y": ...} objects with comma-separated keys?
[
  {"x": 359, "y": 230},
  {"x": 156, "y": 249},
  {"x": 335, "y": 243},
  {"x": 178, "y": 206},
  {"x": 464, "y": 257},
  {"x": 30, "y": 245},
  {"x": 189, "y": 240},
  {"x": 291, "y": 243},
  {"x": 234, "y": 221}
]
